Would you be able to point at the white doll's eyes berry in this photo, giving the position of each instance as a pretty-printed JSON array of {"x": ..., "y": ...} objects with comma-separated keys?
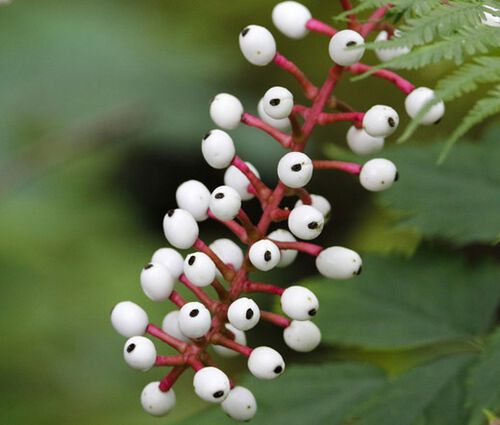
[
  {"x": 320, "y": 203},
  {"x": 170, "y": 325},
  {"x": 387, "y": 54},
  {"x": 278, "y": 102},
  {"x": 291, "y": 17},
  {"x": 225, "y": 203},
  {"x": 193, "y": 196},
  {"x": 194, "y": 320},
  {"x": 239, "y": 337},
  {"x": 282, "y": 124},
  {"x": 243, "y": 314},
  {"x": 489, "y": 19},
  {"x": 265, "y": 363},
  {"x": 257, "y": 45},
  {"x": 419, "y": 98},
  {"x": 156, "y": 402},
  {"x": 171, "y": 259},
  {"x": 264, "y": 255},
  {"x": 380, "y": 121},
  {"x": 218, "y": 149},
  {"x": 139, "y": 353},
  {"x": 157, "y": 282},
  {"x": 361, "y": 143},
  {"x": 230, "y": 253},
  {"x": 129, "y": 319},
  {"x": 378, "y": 174},
  {"x": 306, "y": 222},
  {"x": 299, "y": 303},
  {"x": 302, "y": 336},
  {"x": 295, "y": 169},
  {"x": 338, "y": 262},
  {"x": 211, "y": 384},
  {"x": 199, "y": 269},
  {"x": 238, "y": 181},
  {"x": 240, "y": 404},
  {"x": 180, "y": 228},
  {"x": 340, "y": 45},
  {"x": 226, "y": 111},
  {"x": 287, "y": 256}
]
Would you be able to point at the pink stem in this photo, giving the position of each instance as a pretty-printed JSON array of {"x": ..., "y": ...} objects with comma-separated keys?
[
  {"x": 238, "y": 230},
  {"x": 177, "y": 299},
  {"x": 353, "y": 22},
  {"x": 169, "y": 380},
  {"x": 330, "y": 118},
  {"x": 221, "y": 291},
  {"x": 198, "y": 292},
  {"x": 280, "y": 214},
  {"x": 169, "y": 339},
  {"x": 310, "y": 90},
  {"x": 404, "y": 85},
  {"x": 225, "y": 270},
  {"x": 275, "y": 319},
  {"x": 320, "y": 27},
  {"x": 170, "y": 360},
  {"x": 275, "y": 200},
  {"x": 252, "y": 121},
  {"x": 245, "y": 220},
  {"x": 348, "y": 167},
  {"x": 306, "y": 247},
  {"x": 195, "y": 364},
  {"x": 261, "y": 189},
  {"x": 304, "y": 196},
  {"x": 233, "y": 345},
  {"x": 252, "y": 286},
  {"x": 373, "y": 20}
]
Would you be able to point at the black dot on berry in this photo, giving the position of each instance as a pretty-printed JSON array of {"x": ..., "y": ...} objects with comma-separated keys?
[
  {"x": 191, "y": 260},
  {"x": 275, "y": 102},
  {"x": 148, "y": 266},
  {"x": 313, "y": 225},
  {"x": 391, "y": 122},
  {"x": 438, "y": 121},
  {"x": 396, "y": 177},
  {"x": 249, "y": 314},
  {"x": 312, "y": 312},
  {"x": 278, "y": 369},
  {"x": 358, "y": 272},
  {"x": 194, "y": 312},
  {"x": 130, "y": 348},
  {"x": 206, "y": 136},
  {"x": 218, "y": 394},
  {"x": 351, "y": 43},
  {"x": 170, "y": 213},
  {"x": 296, "y": 167},
  {"x": 219, "y": 195},
  {"x": 245, "y": 31},
  {"x": 267, "y": 256}
]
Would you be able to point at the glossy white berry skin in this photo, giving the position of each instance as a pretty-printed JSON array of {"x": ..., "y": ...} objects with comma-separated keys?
[
  {"x": 302, "y": 336},
  {"x": 320, "y": 203},
  {"x": 387, "y": 54},
  {"x": 238, "y": 181},
  {"x": 264, "y": 255},
  {"x": 282, "y": 124},
  {"x": 361, "y": 143},
  {"x": 339, "y": 263},
  {"x": 226, "y": 111},
  {"x": 299, "y": 303},
  {"x": 243, "y": 314},
  {"x": 139, "y": 353},
  {"x": 291, "y": 17},
  {"x": 211, "y": 384},
  {"x": 193, "y": 196},
  {"x": 225, "y": 203},
  {"x": 265, "y": 363},
  {"x": 157, "y": 282},
  {"x": 239, "y": 337},
  {"x": 171, "y": 259},
  {"x": 218, "y": 149},
  {"x": 228, "y": 252},
  {"x": 295, "y": 169},
  {"x": 378, "y": 174},
  {"x": 341, "y": 50},
  {"x": 199, "y": 269},
  {"x": 156, "y": 402},
  {"x": 257, "y": 45},
  {"x": 194, "y": 320},
  {"x": 170, "y": 325},
  {"x": 380, "y": 121},
  {"x": 287, "y": 256},
  {"x": 278, "y": 102},
  {"x": 240, "y": 404},
  {"x": 417, "y": 99},
  {"x": 306, "y": 222},
  {"x": 129, "y": 319},
  {"x": 180, "y": 228},
  {"x": 490, "y": 19}
]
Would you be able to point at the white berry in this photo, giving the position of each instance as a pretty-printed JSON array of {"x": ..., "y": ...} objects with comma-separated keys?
[
  {"x": 194, "y": 320},
  {"x": 226, "y": 111},
  {"x": 299, "y": 303},
  {"x": 193, "y": 196},
  {"x": 264, "y": 255},
  {"x": 171, "y": 259},
  {"x": 419, "y": 98},
  {"x": 302, "y": 336},
  {"x": 211, "y": 384},
  {"x": 295, "y": 169},
  {"x": 378, "y": 174},
  {"x": 380, "y": 121},
  {"x": 338, "y": 262},
  {"x": 320, "y": 203},
  {"x": 129, "y": 319},
  {"x": 257, "y": 45},
  {"x": 385, "y": 54},
  {"x": 282, "y": 124},
  {"x": 156, "y": 402},
  {"x": 240, "y": 404},
  {"x": 170, "y": 325},
  {"x": 139, "y": 353},
  {"x": 243, "y": 314},
  {"x": 218, "y": 149},
  {"x": 306, "y": 222},
  {"x": 157, "y": 282},
  {"x": 228, "y": 252},
  {"x": 489, "y": 19},
  {"x": 287, "y": 256},
  {"x": 237, "y": 180},
  {"x": 180, "y": 228},
  {"x": 225, "y": 203},
  {"x": 265, "y": 363},
  {"x": 278, "y": 102},
  {"x": 341, "y": 44},
  {"x": 239, "y": 337},
  {"x": 291, "y": 17},
  {"x": 362, "y": 143},
  {"x": 199, "y": 269}
]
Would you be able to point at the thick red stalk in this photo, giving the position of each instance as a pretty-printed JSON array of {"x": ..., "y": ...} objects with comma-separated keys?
[
  {"x": 169, "y": 339},
  {"x": 404, "y": 85},
  {"x": 320, "y": 27},
  {"x": 326, "y": 118},
  {"x": 310, "y": 90},
  {"x": 252, "y": 286},
  {"x": 373, "y": 20},
  {"x": 169, "y": 380},
  {"x": 231, "y": 344},
  {"x": 348, "y": 167},
  {"x": 199, "y": 293},
  {"x": 306, "y": 247},
  {"x": 178, "y": 360},
  {"x": 260, "y": 188},
  {"x": 252, "y": 121},
  {"x": 275, "y": 319},
  {"x": 177, "y": 299},
  {"x": 238, "y": 230},
  {"x": 225, "y": 270}
]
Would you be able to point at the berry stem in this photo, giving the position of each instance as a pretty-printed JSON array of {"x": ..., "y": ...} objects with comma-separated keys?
[
  {"x": 275, "y": 319},
  {"x": 320, "y": 27},
  {"x": 238, "y": 230},
  {"x": 404, "y": 85},
  {"x": 279, "y": 214},
  {"x": 310, "y": 90},
  {"x": 229, "y": 343},
  {"x": 156, "y": 332},
  {"x": 225, "y": 270},
  {"x": 252, "y": 121},
  {"x": 177, "y": 299},
  {"x": 328, "y": 118},
  {"x": 306, "y": 247},
  {"x": 348, "y": 167},
  {"x": 262, "y": 191},
  {"x": 274, "y": 201},
  {"x": 199, "y": 293},
  {"x": 195, "y": 363},
  {"x": 178, "y": 360},
  {"x": 168, "y": 381},
  {"x": 252, "y": 286},
  {"x": 303, "y": 194},
  {"x": 353, "y": 21},
  {"x": 373, "y": 20},
  {"x": 221, "y": 291}
]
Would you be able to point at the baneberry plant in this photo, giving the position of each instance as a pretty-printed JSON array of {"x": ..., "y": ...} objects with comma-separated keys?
[{"x": 221, "y": 322}]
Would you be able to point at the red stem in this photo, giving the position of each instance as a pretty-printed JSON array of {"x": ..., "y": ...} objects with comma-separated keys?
[
  {"x": 238, "y": 230},
  {"x": 304, "y": 195},
  {"x": 261, "y": 189},
  {"x": 225, "y": 270},
  {"x": 178, "y": 360},
  {"x": 320, "y": 27},
  {"x": 308, "y": 248},
  {"x": 195, "y": 363},
  {"x": 169, "y": 380},
  {"x": 233, "y": 345},
  {"x": 169, "y": 339},
  {"x": 177, "y": 299},
  {"x": 374, "y": 19},
  {"x": 221, "y": 291},
  {"x": 252, "y": 286},
  {"x": 310, "y": 90},
  {"x": 330, "y": 118},
  {"x": 404, "y": 85},
  {"x": 275, "y": 319},
  {"x": 279, "y": 214},
  {"x": 198, "y": 292},
  {"x": 348, "y": 167},
  {"x": 252, "y": 121}
]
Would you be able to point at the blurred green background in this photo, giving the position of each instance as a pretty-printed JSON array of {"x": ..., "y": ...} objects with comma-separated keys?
[{"x": 102, "y": 108}]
